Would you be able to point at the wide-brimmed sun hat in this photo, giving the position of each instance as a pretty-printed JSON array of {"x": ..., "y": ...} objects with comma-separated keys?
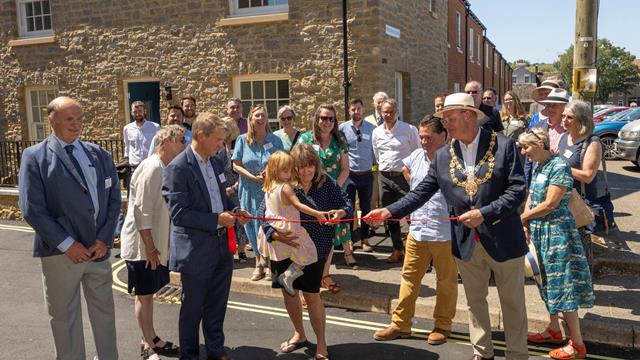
[
  {"x": 459, "y": 101},
  {"x": 545, "y": 88},
  {"x": 556, "y": 96},
  {"x": 531, "y": 266}
]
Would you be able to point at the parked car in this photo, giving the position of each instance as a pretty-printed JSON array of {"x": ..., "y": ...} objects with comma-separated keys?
[
  {"x": 608, "y": 130},
  {"x": 628, "y": 142},
  {"x": 608, "y": 113}
]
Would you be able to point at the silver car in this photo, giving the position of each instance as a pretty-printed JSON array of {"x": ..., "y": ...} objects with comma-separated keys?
[{"x": 627, "y": 144}]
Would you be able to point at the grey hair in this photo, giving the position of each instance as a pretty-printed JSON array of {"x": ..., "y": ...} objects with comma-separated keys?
[
  {"x": 390, "y": 102},
  {"x": 582, "y": 113},
  {"x": 533, "y": 136},
  {"x": 167, "y": 132},
  {"x": 380, "y": 93},
  {"x": 284, "y": 108}
]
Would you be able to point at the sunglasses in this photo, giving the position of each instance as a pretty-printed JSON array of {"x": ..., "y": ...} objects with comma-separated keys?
[
  {"x": 472, "y": 92},
  {"x": 286, "y": 118},
  {"x": 487, "y": 98},
  {"x": 359, "y": 135},
  {"x": 327, "y": 118}
]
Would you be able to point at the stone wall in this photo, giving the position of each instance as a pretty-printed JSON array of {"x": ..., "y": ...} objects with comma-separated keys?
[{"x": 101, "y": 44}]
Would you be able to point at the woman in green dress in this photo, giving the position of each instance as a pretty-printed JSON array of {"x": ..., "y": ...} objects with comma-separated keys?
[
  {"x": 333, "y": 151},
  {"x": 566, "y": 280}
]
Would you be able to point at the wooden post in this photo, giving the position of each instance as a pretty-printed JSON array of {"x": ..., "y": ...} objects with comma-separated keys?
[{"x": 585, "y": 42}]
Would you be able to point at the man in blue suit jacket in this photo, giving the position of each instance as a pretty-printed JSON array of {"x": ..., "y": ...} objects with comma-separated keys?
[
  {"x": 69, "y": 194},
  {"x": 482, "y": 179},
  {"x": 201, "y": 212}
]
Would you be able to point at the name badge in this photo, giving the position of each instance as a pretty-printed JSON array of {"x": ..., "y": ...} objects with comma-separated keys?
[
  {"x": 222, "y": 178},
  {"x": 567, "y": 153},
  {"x": 515, "y": 123},
  {"x": 107, "y": 183},
  {"x": 366, "y": 136},
  {"x": 268, "y": 146},
  {"x": 541, "y": 178}
]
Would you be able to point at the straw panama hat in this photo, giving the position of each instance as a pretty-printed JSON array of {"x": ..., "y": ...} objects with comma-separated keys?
[
  {"x": 459, "y": 101},
  {"x": 531, "y": 266},
  {"x": 543, "y": 90},
  {"x": 556, "y": 96}
]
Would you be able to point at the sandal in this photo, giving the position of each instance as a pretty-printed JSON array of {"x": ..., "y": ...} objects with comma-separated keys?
[
  {"x": 289, "y": 346},
  {"x": 148, "y": 353},
  {"x": 320, "y": 357},
  {"x": 168, "y": 349},
  {"x": 242, "y": 257},
  {"x": 548, "y": 335},
  {"x": 257, "y": 274},
  {"x": 354, "y": 264},
  {"x": 569, "y": 351},
  {"x": 329, "y": 284}
]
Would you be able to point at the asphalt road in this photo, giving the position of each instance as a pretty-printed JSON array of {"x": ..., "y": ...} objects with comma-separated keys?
[{"x": 254, "y": 326}]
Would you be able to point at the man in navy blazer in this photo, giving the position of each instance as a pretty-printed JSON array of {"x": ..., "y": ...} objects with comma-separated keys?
[
  {"x": 69, "y": 194},
  {"x": 481, "y": 177},
  {"x": 201, "y": 212}
]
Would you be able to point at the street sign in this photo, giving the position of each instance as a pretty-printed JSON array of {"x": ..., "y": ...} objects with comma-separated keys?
[{"x": 584, "y": 80}]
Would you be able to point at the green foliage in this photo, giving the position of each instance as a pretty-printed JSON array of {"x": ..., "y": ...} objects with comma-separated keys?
[{"x": 616, "y": 70}]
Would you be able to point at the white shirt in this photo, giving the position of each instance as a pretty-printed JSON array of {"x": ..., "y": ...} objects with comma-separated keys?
[
  {"x": 469, "y": 153},
  {"x": 391, "y": 146},
  {"x": 212, "y": 184},
  {"x": 418, "y": 164},
  {"x": 138, "y": 140}
]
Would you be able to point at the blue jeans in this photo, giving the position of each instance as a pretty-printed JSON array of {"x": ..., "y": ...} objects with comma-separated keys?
[{"x": 363, "y": 185}]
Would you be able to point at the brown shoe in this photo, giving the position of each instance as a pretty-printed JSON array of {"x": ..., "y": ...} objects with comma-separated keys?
[
  {"x": 366, "y": 247},
  {"x": 438, "y": 336},
  {"x": 390, "y": 333},
  {"x": 395, "y": 257}
]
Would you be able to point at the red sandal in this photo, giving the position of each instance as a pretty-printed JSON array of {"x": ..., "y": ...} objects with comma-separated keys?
[
  {"x": 548, "y": 335},
  {"x": 569, "y": 351}
]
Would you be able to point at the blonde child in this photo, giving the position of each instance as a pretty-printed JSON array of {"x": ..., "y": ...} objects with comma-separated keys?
[{"x": 282, "y": 203}]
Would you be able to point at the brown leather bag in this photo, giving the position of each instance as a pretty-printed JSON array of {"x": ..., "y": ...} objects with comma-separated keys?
[{"x": 582, "y": 213}]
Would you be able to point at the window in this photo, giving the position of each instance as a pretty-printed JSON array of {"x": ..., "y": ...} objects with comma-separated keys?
[
  {"x": 34, "y": 18},
  {"x": 432, "y": 5},
  {"x": 258, "y": 7},
  {"x": 471, "y": 44},
  {"x": 458, "y": 34},
  {"x": 478, "y": 53},
  {"x": 486, "y": 54},
  {"x": 456, "y": 87},
  {"x": 37, "y": 101},
  {"x": 514, "y": 79},
  {"x": 272, "y": 91},
  {"x": 495, "y": 64}
]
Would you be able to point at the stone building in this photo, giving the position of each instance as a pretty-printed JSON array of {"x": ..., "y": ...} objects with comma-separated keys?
[
  {"x": 471, "y": 55},
  {"x": 110, "y": 53}
]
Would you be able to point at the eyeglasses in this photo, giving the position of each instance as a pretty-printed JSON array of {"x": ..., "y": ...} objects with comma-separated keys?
[
  {"x": 286, "y": 118},
  {"x": 326, "y": 118},
  {"x": 530, "y": 131},
  {"x": 472, "y": 92},
  {"x": 487, "y": 98}
]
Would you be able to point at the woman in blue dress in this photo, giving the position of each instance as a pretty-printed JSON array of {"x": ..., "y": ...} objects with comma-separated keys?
[
  {"x": 566, "y": 280},
  {"x": 250, "y": 156}
]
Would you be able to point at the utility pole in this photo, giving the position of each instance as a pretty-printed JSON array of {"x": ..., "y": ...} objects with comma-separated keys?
[{"x": 585, "y": 48}]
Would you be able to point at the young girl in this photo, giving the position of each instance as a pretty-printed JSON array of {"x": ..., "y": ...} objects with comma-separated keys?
[{"x": 282, "y": 203}]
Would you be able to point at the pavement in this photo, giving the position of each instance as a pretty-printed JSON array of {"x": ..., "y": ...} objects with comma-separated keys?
[{"x": 614, "y": 320}]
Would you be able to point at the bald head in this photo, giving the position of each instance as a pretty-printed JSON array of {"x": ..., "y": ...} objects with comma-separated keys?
[
  {"x": 66, "y": 118},
  {"x": 474, "y": 88}
]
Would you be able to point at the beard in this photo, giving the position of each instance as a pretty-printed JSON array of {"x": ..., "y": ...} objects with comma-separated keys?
[{"x": 189, "y": 113}]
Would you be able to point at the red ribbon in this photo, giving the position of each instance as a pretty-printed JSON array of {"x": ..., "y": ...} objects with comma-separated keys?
[
  {"x": 231, "y": 238},
  {"x": 347, "y": 219}
]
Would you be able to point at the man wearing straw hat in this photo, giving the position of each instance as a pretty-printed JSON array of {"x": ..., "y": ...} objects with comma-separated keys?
[{"x": 482, "y": 179}]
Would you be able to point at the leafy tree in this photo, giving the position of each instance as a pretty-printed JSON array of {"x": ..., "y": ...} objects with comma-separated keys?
[{"x": 616, "y": 69}]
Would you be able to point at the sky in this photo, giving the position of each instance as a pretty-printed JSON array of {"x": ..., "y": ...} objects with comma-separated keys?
[{"x": 539, "y": 30}]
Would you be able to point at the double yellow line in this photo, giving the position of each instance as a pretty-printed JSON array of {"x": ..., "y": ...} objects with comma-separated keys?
[{"x": 542, "y": 351}]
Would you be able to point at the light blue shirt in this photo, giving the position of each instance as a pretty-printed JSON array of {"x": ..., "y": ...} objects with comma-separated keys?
[
  {"x": 89, "y": 172},
  {"x": 418, "y": 164},
  {"x": 212, "y": 184},
  {"x": 360, "y": 152}
]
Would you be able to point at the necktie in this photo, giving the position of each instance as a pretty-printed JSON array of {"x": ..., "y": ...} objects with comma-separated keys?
[
  {"x": 380, "y": 120},
  {"x": 76, "y": 164}
]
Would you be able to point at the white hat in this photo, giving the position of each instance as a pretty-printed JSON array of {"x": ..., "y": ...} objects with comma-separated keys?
[
  {"x": 556, "y": 96},
  {"x": 459, "y": 101},
  {"x": 543, "y": 90},
  {"x": 531, "y": 266}
]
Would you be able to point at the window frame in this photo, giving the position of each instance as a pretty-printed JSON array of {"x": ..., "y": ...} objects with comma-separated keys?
[
  {"x": 471, "y": 46},
  {"x": 486, "y": 55},
  {"x": 458, "y": 30},
  {"x": 31, "y": 124},
  {"x": 236, "y": 11},
  {"x": 479, "y": 46},
  {"x": 432, "y": 6},
  {"x": 21, "y": 18},
  {"x": 273, "y": 118}
]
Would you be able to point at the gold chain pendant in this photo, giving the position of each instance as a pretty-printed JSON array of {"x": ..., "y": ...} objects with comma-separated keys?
[{"x": 471, "y": 187}]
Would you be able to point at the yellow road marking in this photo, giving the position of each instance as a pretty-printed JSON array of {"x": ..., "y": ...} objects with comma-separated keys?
[
  {"x": 542, "y": 351},
  {"x": 26, "y": 229}
]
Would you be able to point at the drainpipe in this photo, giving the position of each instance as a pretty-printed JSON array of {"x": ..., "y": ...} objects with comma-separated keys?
[
  {"x": 467, "y": 6},
  {"x": 484, "y": 55},
  {"x": 345, "y": 60}
]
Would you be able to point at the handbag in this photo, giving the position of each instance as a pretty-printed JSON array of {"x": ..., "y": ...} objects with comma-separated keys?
[
  {"x": 582, "y": 213},
  {"x": 602, "y": 206}
]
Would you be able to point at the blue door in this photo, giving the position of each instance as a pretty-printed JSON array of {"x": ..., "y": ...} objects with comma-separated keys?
[{"x": 148, "y": 93}]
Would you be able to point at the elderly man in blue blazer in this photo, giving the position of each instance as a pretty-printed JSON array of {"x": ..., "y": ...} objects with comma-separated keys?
[
  {"x": 481, "y": 177},
  {"x": 201, "y": 212},
  {"x": 69, "y": 194}
]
